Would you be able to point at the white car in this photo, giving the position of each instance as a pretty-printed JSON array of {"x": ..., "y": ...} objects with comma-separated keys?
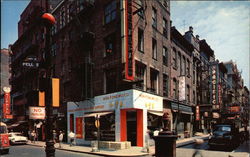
[{"x": 17, "y": 138}]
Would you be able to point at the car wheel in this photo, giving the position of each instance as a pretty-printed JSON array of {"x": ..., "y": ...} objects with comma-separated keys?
[{"x": 7, "y": 151}]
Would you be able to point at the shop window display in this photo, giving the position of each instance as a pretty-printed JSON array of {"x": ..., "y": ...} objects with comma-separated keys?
[{"x": 107, "y": 128}]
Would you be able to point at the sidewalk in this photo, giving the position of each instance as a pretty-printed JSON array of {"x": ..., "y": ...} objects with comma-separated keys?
[{"x": 133, "y": 151}]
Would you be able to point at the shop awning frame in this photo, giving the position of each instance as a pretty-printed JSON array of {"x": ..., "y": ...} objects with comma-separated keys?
[
  {"x": 97, "y": 114},
  {"x": 157, "y": 113}
]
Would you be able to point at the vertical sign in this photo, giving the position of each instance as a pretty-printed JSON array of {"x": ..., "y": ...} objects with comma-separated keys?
[
  {"x": 219, "y": 94},
  {"x": 79, "y": 127},
  {"x": 129, "y": 64},
  {"x": 55, "y": 92},
  {"x": 41, "y": 98},
  {"x": 197, "y": 109},
  {"x": 6, "y": 103},
  {"x": 214, "y": 88},
  {"x": 182, "y": 89}
]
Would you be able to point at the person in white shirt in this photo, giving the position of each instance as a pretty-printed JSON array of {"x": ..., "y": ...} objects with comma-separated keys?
[
  {"x": 71, "y": 138},
  {"x": 60, "y": 139}
]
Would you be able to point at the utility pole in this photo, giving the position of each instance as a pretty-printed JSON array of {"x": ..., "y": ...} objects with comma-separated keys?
[{"x": 48, "y": 21}]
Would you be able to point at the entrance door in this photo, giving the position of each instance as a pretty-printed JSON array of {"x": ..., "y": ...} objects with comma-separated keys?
[{"x": 131, "y": 127}]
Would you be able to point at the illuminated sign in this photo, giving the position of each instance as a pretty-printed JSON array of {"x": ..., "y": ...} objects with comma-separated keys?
[{"x": 197, "y": 109}]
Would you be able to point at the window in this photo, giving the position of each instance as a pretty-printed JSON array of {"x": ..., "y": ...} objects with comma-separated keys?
[
  {"x": 140, "y": 75},
  {"x": 165, "y": 27},
  {"x": 183, "y": 68},
  {"x": 110, "y": 12},
  {"x": 140, "y": 8},
  {"x": 188, "y": 93},
  {"x": 53, "y": 49},
  {"x": 140, "y": 40},
  {"x": 109, "y": 81},
  {"x": 166, "y": 3},
  {"x": 153, "y": 80},
  {"x": 62, "y": 17},
  {"x": 188, "y": 68},
  {"x": 109, "y": 45},
  {"x": 175, "y": 58},
  {"x": 165, "y": 56},
  {"x": 165, "y": 85},
  {"x": 154, "y": 18},
  {"x": 194, "y": 97},
  {"x": 154, "y": 49},
  {"x": 70, "y": 12},
  {"x": 175, "y": 88}
]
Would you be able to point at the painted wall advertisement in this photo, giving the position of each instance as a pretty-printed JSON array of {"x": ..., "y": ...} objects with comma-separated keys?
[{"x": 37, "y": 112}]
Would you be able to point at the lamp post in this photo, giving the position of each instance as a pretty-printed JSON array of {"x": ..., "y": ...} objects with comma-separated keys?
[{"x": 48, "y": 21}]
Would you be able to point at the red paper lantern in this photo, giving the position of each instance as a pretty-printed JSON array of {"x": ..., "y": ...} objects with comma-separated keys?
[{"x": 49, "y": 18}]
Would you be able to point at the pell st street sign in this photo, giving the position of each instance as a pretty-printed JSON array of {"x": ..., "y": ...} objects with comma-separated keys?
[{"x": 30, "y": 62}]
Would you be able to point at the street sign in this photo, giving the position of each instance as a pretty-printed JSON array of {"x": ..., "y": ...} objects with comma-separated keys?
[{"x": 30, "y": 62}]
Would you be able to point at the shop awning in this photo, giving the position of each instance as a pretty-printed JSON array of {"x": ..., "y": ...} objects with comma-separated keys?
[
  {"x": 16, "y": 124},
  {"x": 158, "y": 113},
  {"x": 182, "y": 108},
  {"x": 97, "y": 114}
]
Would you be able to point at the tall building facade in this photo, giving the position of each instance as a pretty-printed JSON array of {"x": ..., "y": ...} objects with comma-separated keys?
[{"x": 5, "y": 69}]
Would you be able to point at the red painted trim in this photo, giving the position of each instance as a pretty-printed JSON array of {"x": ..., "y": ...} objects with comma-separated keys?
[
  {"x": 140, "y": 128},
  {"x": 123, "y": 126}
]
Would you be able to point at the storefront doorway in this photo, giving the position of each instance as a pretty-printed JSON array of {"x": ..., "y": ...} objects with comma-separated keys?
[{"x": 132, "y": 127}]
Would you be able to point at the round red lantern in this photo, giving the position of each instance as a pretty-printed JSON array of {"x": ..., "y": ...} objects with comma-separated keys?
[{"x": 49, "y": 18}]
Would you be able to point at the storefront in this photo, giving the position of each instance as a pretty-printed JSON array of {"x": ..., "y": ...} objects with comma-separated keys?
[
  {"x": 182, "y": 119},
  {"x": 123, "y": 117}
]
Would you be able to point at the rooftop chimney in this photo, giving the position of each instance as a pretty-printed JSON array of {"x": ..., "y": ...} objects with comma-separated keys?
[
  {"x": 191, "y": 29},
  {"x": 197, "y": 37}
]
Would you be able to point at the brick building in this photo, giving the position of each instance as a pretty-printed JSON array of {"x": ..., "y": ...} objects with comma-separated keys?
[{"x": 181, "y": 87}]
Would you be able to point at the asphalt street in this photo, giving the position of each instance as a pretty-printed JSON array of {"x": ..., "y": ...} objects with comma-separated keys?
[{"x": 31, "y": 151}]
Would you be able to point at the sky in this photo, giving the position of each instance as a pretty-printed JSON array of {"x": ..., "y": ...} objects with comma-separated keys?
[{"x": 225, "y": 25}]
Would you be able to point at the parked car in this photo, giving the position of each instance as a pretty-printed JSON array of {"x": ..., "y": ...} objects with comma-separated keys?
[
  {"x": 17, "y": 138},
  {"x": 224, "y": 136}
]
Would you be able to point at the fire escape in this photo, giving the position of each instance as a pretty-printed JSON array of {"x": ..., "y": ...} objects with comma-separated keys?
[{"x": 83, "y": 45}]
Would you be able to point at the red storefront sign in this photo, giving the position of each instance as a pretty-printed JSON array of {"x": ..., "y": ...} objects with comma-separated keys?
[
  {"x": 234, "y": 109},
  {"x": 6, "y": 104},
  {"x": 79, "y": 127},
  {"x": 197, "y": 109}
]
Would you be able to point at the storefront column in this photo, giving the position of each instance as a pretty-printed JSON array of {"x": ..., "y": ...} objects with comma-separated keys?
[
  {"x": 117, "y": 125},
  {"x": 140, "y": 134},
  {"x": 123, "y": 126},
  {"x": 145, "y": 125}
]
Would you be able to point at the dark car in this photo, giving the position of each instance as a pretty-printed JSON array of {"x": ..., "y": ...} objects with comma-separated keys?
[{"x": 224, "y": 136}]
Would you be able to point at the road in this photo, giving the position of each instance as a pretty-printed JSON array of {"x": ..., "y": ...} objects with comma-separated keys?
[
  {"x": 244, "y": 147},
  {"x": 31, "y": 151}
]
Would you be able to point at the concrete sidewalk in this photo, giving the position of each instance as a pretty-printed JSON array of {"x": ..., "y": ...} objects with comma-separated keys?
[{"x": 133, "y": 151}]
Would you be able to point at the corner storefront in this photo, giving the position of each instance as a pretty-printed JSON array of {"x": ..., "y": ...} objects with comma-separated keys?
[{"x": 124, "y": 116}]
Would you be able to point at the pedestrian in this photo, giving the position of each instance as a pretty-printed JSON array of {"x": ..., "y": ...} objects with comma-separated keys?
[
  {"x": 71, "y": 138},
  {"x": 33, "y": 136},
  {"x": 54, "y": 136},
  {"x": 60, "y": 139}
]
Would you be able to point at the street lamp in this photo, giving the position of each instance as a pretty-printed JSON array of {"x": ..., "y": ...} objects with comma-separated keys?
[{"x": 48, "y": 21}]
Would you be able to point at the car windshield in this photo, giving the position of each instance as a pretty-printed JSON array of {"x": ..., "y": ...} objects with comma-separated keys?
[
  {"x": 222, "y": 128},
  {"x": 17, "y": 134}
]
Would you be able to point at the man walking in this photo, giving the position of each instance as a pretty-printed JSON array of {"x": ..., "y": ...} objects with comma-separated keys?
[
  {"x": 60, "y": 139},
  {"x": 71, "y": 138}
]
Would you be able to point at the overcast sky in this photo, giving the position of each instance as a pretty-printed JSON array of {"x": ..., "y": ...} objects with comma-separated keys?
[{"x": 224, "y": 25}]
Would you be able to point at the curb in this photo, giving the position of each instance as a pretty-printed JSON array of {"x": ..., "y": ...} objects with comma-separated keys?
[
  {"x": 94, "y": 153},
  {"x": 191, "y": 141}
]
